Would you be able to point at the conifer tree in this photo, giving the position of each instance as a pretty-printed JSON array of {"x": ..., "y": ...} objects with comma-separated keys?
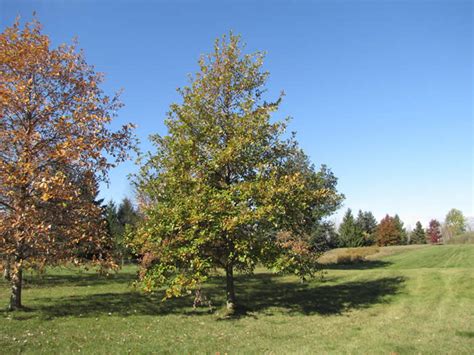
[
  {"x": 350, "y": 232},
  {"x": 119, "y": 220},
  {"x": 367, "y": 222},
  {"x": 403, "y": 235},
  {"x": 418, "y": 235},
  {"x": 324, "y": 236}
]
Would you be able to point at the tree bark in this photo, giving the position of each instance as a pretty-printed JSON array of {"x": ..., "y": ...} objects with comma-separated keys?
[
  {"x": 230, "y": 290},
  {"x": 16, "y": 280},
  {"x": 6, "y": 270}
]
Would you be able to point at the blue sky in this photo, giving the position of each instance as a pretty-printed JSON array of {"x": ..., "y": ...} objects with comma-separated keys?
[{"x": 380, "y": 91}]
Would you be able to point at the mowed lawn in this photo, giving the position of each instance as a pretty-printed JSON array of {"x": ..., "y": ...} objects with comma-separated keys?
[{"x": 416, "y": 300}]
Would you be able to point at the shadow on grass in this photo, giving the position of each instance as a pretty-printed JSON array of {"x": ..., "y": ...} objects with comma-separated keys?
[
  {"x": 465, "y": 334},
  {"x": 361, "y": 265},
  {"x": 261, "y": 293},
  {"x": 76, "y": 279}
]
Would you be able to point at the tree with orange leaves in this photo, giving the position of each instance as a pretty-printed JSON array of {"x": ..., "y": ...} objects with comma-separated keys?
[
  {"x": 55, "y": 146},
  {"x": 387, "y": 232}
]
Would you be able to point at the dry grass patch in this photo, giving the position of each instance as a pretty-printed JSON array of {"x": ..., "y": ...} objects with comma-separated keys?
[{"x": 348, "y": 255}]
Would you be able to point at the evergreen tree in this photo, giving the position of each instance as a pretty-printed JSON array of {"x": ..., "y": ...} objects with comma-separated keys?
[
  {"x": 350, "y": 233},
  {"x": 126, "y": 213},
  {"x": 112, "y": 220},
  {"x": 403, "y": 235},
  {"x": 127, "y": 217},
  {"x": 368, "y": 224},
  {"x": 118, "y": 220},
  {"x": 418, "y": 235},
  {"x": 324, "y": 236}
]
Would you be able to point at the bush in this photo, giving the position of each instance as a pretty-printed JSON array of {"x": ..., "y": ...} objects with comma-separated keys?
[
  {"x": 355, "y": 255},
  {"x": 464, "y": 238}
]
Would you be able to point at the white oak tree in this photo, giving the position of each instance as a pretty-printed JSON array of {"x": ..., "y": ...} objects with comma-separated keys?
[
  {"x": 55, "y": 145},
  {"x": 225, "y": 188}
]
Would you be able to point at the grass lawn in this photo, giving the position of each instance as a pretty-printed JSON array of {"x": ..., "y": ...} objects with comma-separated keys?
[{"x": 408, "y": 300}]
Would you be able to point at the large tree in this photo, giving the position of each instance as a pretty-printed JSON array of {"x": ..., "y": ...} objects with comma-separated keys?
[
  {"x": 226, "y": 189},
  {"x": 54, "y": 148}
]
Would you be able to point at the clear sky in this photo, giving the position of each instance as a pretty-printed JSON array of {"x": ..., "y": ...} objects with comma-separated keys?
[{"x": 380, "y": 91}]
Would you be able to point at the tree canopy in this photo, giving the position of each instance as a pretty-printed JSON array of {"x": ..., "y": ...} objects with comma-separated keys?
[
  {"x": 418, "y": 235},
  {"x": 226, "y": 187},
  {"x": 403, "y": 235},
  {"x": 434, "y": 232},
  {"x": 119, "y": 219},
  {"x": 54, "y": 148},
  {"x": 454, "y": 223},
  {"x": 350, "y": 232},
  {"x": 388, "y": 232}
]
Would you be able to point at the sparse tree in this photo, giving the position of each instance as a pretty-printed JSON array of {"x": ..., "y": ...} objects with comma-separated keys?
[
  {"x": 224, "y": 189},
  {"x": 454, "y": 223},
  {"x": 53, "y": 146}
]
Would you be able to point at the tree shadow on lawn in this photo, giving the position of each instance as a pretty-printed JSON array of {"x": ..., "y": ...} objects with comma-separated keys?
[
  {"x": 320, "y": 299},
  {"x": 89, "y": 279},
  {"x": 361, "y": 265},
  {"x": 258, "y": 293}
]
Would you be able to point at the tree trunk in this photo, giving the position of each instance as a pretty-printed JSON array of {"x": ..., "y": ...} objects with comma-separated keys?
[
  {"x": 230, "y": 291},
  {"x": 6, "y": 270},
  {"x": 16, "y": 280}
]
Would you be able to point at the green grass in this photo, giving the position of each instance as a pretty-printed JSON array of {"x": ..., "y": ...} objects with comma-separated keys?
[{"x": 414, "y": 300}]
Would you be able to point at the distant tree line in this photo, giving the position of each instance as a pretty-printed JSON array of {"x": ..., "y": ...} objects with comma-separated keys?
[
  {"x": 120, "y": 220},
  {"x": 364, "y": 230}
]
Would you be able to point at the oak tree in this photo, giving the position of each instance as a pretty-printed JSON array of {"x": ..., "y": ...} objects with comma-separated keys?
[
  {"x": 226, "y": 188},
  {"x": 55, "y": 145}
]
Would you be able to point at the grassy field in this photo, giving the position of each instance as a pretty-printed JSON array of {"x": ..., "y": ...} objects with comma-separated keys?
[{"x": 405, "y": 300}]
